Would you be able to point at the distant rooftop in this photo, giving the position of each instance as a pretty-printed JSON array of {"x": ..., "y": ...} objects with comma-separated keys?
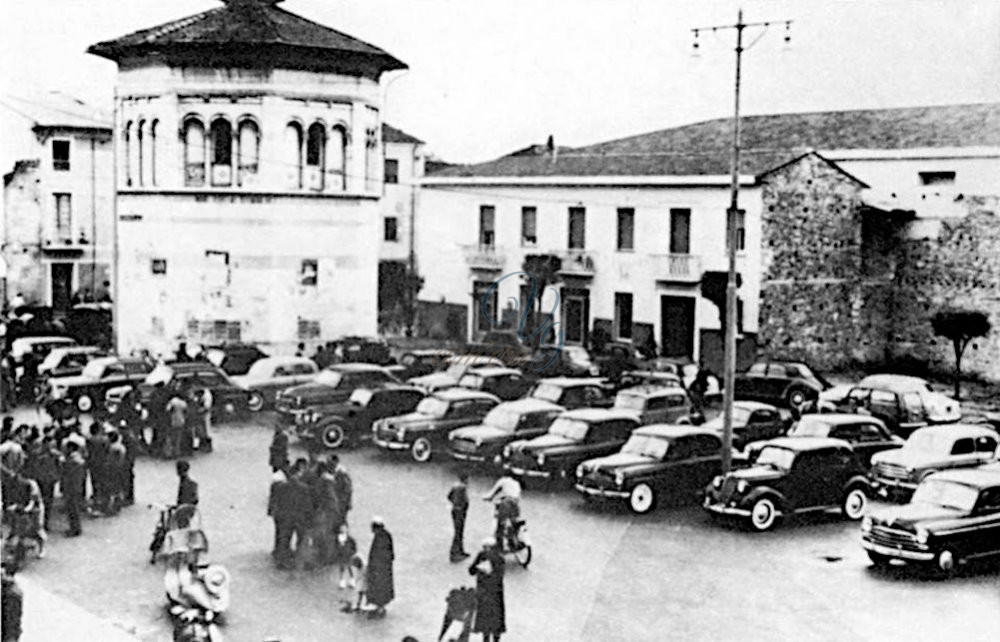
[
  {"x": 57, "y": 110},
  {"x": 767, "y": 141},
  {"x": 250, "y": 33},
  {"x": 392, "y": 135}
]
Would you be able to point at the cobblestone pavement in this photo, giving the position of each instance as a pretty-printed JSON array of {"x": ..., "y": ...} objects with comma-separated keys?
[{"x": 598, "y": 574}]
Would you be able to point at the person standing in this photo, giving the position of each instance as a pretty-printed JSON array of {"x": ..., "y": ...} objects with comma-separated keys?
[
  {"x": 329, "y": 514},
  {"x": 344, "y": 550},
  {"x": 132, "y": 445},
  {"x": 204, "y": 434},
  {"x": 177, "y": 410},
  {"x": 458, "y": 497},
  {"x": 187, "y": 488},
  {"x": 6, "y": 384},
  {"x": 117, "y": 471},
  {"x": 158, "y": 419},
  {"x": 343, "y": 489},
  {"x": 380, "y": 588},
  {"x": 278, "y": 455},
  {"x": 74, "y": 486},
  {"x": 279, "y": 509},
  {"x": 491, "y": 617},
  {"x": 43, "y": 466},
  {"x": 300, "y": 508},
  {"x": 12, "y": 605},
  {"x": 97, "y": 464}
]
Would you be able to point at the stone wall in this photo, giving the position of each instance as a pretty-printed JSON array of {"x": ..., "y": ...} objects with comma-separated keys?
[
  {"x": 22, "y": 231},
  {"x": 824, "y": 299},
  {"x": 956, "y": 265}
]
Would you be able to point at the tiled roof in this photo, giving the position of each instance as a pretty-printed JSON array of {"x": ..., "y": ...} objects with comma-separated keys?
[
  {"x": 243, "y": 24},
  {"x": 56, "y": 109},
  {"x": 392, "y": 135},
  {"x": 766, "y": 141}
]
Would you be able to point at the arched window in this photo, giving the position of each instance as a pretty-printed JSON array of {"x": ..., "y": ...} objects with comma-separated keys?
[
  {"x": 153, "y": 150},
  {"x": 337, "y": 155},
  {"x": 140, "y": 145},
  {"x": 194, "y": 153},
  {"x": 315, "y": 156},
  {"x": 249, "y": 152},
  {"x": 127, "y": 153},
  {"x": 292, "y": 155},
  {"x": 222, "y": 152}
]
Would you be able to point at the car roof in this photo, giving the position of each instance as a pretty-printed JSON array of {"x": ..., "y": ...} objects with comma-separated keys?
[
  {"x": 43, "y": 339},
  {"x": 843, "y": 418},
  {"x": 461, "y": 394},
  {"x": 191, "y": 366},
  {"x": 76, "y": 350},
  {"x": 493, "y": 371},
  {"x": 598, "y": 414},
  {"x": 355, "y": 367},
  {"x": 653, "y": 390},
  {"x": 429, "y": 352},
  {"x": 568, "y": 382},
  {"x": 958, "y": 430},
  {"x": 393, "y": 386},
  {"x": 807, "y": 443},
  {"x": 530, "y": 404},
  {"x": 673, "y": 431},
  {"x": 893, "y": 382},
  {"x": 981, "y": 477},
  {"x": 283, "y": 360}
]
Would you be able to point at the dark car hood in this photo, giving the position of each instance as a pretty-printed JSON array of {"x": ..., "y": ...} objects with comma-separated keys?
[
  {"x": 307, "y": 390},
  {"x": 410, "y": 418},
  {"x": 909, "y": 516},
  {"x": 342, "y": 409},
  {"x": 621, "y": 462}
]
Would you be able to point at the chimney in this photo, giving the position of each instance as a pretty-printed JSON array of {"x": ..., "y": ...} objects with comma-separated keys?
[{"x": 550, "y": 146}]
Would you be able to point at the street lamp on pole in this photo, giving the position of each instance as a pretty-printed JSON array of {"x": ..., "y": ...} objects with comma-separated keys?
[{"x": 729, "y": 375}]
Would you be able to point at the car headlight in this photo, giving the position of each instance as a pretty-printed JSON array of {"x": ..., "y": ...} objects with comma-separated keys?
[
  {"x": 741, "y": 486},
  {"x": 866, "y": 524},
  {"x": 402, "y": 433},
  {"x": 717, "y": 481},
  {"x": 922, "y": 535},
  {"x": 580, "y": 471},
  {"x": 540, "y": 460},
  {"x": 507, "y": 450},
  {"x": 619, "y": 478}
]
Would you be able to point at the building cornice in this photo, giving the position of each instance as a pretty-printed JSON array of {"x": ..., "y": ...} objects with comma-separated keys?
[{"x": 587, "y": 181}]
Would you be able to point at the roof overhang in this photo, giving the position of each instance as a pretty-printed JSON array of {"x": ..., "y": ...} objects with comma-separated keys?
[{"x": 588, "y": 181}]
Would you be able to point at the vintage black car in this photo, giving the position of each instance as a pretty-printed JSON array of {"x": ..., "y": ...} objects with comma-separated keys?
[
  {"x": 190, "y": 378},
  {"x": 657, "y": 461},
  {"x": 792, "y": 475},
  {"x": 753, "y": 421},
  {"x": 652, "y": 404},
  {"x": 575, "y": 436},
  {"x": 904, "y": 403},
  {"x": 510, "y": 421},
  {"x": 100, "y": 375},
  {"x": 897, "y": 473},
  {"x": 867, "y": 435},
  {"x": 351, "y": 422},
  {"x": 506, "y": 383},
  {"x": 68, "y": 362},
  {"x": 426, "y": 429},
  {"x": 953, "y": 518},
  {"x": 455, "y": 367},
  {"x": 787, "y": 383},
  {"x": 333, "y": 385},
  {"x": 234, "y": 358},
  {"x": 356, "y": 349},
  {"x": 573, "y": 393},
  {"x": 417, "y": 363}
]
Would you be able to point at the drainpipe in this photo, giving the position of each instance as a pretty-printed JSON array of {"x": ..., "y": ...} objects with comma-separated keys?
[
  {"x": 410, "y": 294},
  {"x": 93, "y": 218}
]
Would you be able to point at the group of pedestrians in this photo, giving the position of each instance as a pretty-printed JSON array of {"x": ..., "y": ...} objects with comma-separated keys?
[{"x": 180, "y": 420}]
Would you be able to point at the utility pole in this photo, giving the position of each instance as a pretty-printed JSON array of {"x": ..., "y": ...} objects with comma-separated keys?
[{"x": 729, "y": 376}]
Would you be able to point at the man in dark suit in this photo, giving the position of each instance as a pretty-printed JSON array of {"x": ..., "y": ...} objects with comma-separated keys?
[
  {"x": 187, "y": 488},
  {"x": 74, "y": 486}
]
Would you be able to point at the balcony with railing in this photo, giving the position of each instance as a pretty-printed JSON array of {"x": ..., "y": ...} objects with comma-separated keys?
[
  {"x": 578, "y": 263},
  {"x": 64, "y": 241},
  {"x": 484, "y": 257},
  {"x": 678, "y": 268}
]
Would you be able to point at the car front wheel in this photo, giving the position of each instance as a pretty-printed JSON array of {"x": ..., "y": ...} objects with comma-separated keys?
[
  {"x": 255, "y": 403},
  {"x": 421, "y": 450},
  {"x": 332, "y": 436},
  {"x": 642, "y": 499},
  {"x": 763, "y": 514},
  {"x": 855, "y": 503},
  {"x": 796, "y": 397},
  {"x": 878, "y": 559},
  {"x": 946, "y": 562},
  {"x": 84, "y": 403}
]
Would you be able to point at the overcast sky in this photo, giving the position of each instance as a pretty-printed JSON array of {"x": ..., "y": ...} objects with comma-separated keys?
[{"x": 488, "y": 77}]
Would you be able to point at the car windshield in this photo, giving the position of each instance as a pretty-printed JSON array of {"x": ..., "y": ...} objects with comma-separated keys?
[
  {"x": 503, "y": 418},
  {"x": 432, "y": 407},
  {"x": 930, "y": 441},
  {"x": 548, "y": 392},
  {"x": 946, "y": 493},
  {"x": 740, "y": 417},
  {"x": 810, "y": 427},
  {"x": 572, "y": 429},
  {"x": 361, "y": 396},
  {"x": 646, "y": 446},
  {"x": 330, "y": 378},
  {"x": 630, "y": 402},
  {"x": 94, "y": 369},
  {"x": 776, "y": 457}
]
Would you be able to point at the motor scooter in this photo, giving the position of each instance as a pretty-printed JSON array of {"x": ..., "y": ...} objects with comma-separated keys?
[{"x": 197, "y": 591}]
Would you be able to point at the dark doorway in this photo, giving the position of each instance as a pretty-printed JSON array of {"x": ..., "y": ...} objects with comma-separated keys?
[
  {"x": 677, "y": 326},
  {"x": 61, "y": 286},
  {"x": 575, "y": 315}
]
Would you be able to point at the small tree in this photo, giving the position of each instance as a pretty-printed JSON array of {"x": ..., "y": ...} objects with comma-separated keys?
[
  {"x": 960, "y": 327},
  {"x": 413, "y": 283},
  {"x": 545, "y": 268}
]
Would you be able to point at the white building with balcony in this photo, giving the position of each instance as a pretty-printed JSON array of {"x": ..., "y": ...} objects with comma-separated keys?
[
  {"x": 249, "y": 174},
  {"x": 57, "y": 232},
  {"x": 638, "y": 222}
]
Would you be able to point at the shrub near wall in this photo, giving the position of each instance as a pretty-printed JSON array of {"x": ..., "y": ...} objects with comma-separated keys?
[{"x": 958, "y": 267}]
